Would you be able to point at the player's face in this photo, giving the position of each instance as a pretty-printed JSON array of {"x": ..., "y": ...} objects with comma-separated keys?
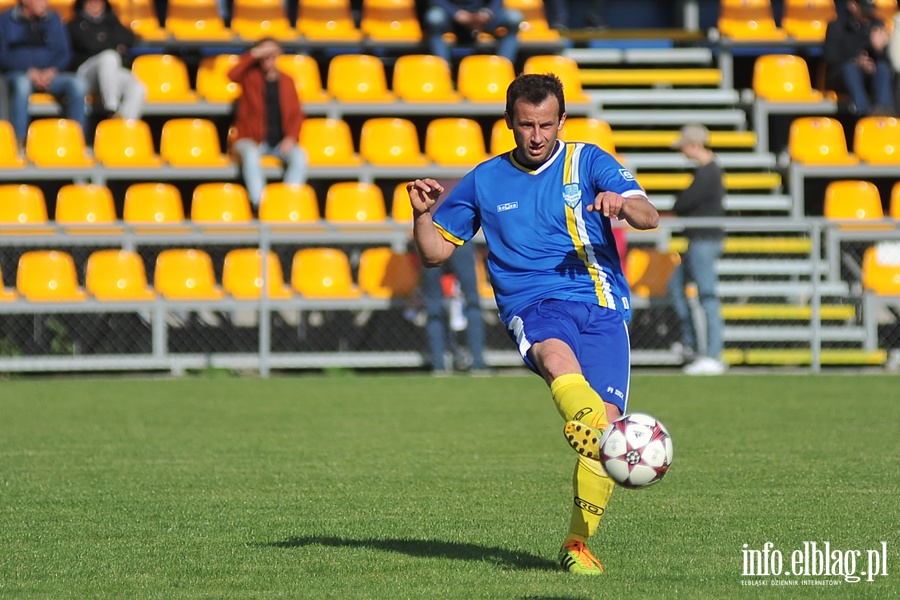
[{"x": 535, "y": 128}]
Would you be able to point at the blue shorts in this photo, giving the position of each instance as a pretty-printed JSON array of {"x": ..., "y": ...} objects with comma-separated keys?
[{"x": 597, "y": 335}]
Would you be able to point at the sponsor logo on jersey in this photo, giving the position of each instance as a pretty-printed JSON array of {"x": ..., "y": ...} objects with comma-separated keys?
[
  {"x": 507, "y": 206},
  {"x": 626, "y": 174}
]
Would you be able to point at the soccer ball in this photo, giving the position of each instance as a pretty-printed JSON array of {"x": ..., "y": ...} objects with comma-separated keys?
[{"x": 636, "y": 450}]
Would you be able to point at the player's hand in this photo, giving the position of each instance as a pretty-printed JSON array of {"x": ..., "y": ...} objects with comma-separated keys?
[
  {"x": 609, "y": 204},
  {"x": 423, "y": 194}
]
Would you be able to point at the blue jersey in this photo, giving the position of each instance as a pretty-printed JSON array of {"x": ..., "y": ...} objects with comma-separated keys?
[{"x": 541, "y": 241}]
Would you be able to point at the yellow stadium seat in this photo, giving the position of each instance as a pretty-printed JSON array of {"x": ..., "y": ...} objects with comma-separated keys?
[
  {"x": 783, "y": 78},
  {"x": 191, "y": 143},
  {"x": 242, "y": 275},
  {"x": 48, "y": 276},
  {"x": 485, "y": 77},
  {"x": 358, "y": 78},
  {"x": 142, "y": 19},
  {"x": 327, "y": 21},
  {"x": 885, "y": 10},
  {"x": 453, "y": 141},
  {"x": 186, "y": 274},
  {"x": 213, "y": 84},
  {"x": 423, "y": 78},
  {"x": 534, "y": 26},
  {"x": 390, "y": 21},
  {"x": 195, "y": 20},
  {"x": 648, "y": 271},
  {"x": 7, "y": 294},
  {"x": 117, "y": 276},
  {"x": 806, "y": 20},
  {"x": 56, "y": 143},
  {"x": 384, "y": 273},
  {"x": 220, "y": 203},
  {"x": 749, "y": 20},
  {"x": 165, "y": 77},
  {"x": 289, "y": 203},
  {"x": 22, "y": 204},
  {"x": 86, "y": 204},
  {"x": 876, "y": 140},
  {"x": 257, "y": 19},
  {"x": 820, "y": 141},
  {"x": 323, "y": 273},
  {"x": 9, "y": 148},
  {"x": 391, "y": 141},
  {"x": 304, "y": 70},
  {"x": 586, "y": 129},
  {"x": 847, "y": 200},
  {"x": 894, "y": 205},
  {"x": 328, "y": 143},
  {"x": 121, "y": 143},
  {"x": 153, "y": 203},
  {"x": 354, "y": 202},
  {"x": 502, "y": 138},
  {"x": 563, "y": 67},
  {"x": 401, "y": 209},
  {"x": 881, "y": 269}
]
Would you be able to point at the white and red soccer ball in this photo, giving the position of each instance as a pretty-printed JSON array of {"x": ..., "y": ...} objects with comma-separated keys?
[{"x": 636, "y": 450}]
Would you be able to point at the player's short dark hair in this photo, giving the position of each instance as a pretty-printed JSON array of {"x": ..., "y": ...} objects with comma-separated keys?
[{"x": 534, "y": 89}]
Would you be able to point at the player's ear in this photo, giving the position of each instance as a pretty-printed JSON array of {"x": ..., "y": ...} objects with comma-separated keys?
[
  {"x": 562, "y": 121},
  {"x": 509, "y": 123}
]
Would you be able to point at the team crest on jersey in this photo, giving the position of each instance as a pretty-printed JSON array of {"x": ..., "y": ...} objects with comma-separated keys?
[
  {"x": 571, "y": 194},
  {"x": 626, "y": 174}
]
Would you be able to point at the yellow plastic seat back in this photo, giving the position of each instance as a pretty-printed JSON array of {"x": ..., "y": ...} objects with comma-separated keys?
[
  {"x": 592, "y": 131},
  {"x": 648, "y": 271},
  {"x": 56, "y": 143},
  {"x": 153, "y": 203},
  {"x": 354, "y": 202},
  {"x": 323, "y": 273},
  {"x": 125, "y": 143},
  {"x": 423, "y": 78},
  {"x": 502, "y": 138},
  {"x": 401, "y": 209},
  {"x": 186, "y": 274},
  {"x": 220, "y": 203},
  {"x": 10, "y": 157},
  {"x": 806, "y": 20},
  {"x": 384, "y": 273},
  {"x": 853, "y": 200},
  {"x": 289, "y": 203},
  {"x": 328, "y": 143},
  {"x": 358, "y": 78},
  {"x": 195, "y": 20},
  {"x": 749, "y": 20},
  {"x": 307, "y": 76},
  {"x": 213, "y": 83},
  {"x": 22, "y": 204},
  {"x": 783, "y": 78},
  {"x": 877, "y": 140},
  {"x": 242, "y": 275},
  {"x": 451, "y": 141},
  {"x": 327, "y": 21},
  {"x": 563, "y": 67},
  {"x": 485, "y": 77},
  {"x": 165, "y": 76},
  {"x": 534, "y": 26},
  {"x": 819, "y": 141},
  {"x": 390, "y": 141},
  {"x": 257, "y": 19},
  {"x": 117, "y": 276},
  {"x": 386, "y": 21},
  {"x": 48, "y": 276},
  {"x": 881, "y": 269},
  {"x": 192, "y": 143}
]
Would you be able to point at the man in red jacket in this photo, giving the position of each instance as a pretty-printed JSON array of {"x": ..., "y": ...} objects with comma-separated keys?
[{"x": 268, "y": 118}]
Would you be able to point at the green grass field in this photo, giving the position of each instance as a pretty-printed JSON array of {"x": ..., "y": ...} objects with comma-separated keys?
[{"x": 389, "y": 487}]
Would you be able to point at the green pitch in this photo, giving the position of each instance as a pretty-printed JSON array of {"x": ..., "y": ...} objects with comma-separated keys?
[{"x": 389, "y": 487}]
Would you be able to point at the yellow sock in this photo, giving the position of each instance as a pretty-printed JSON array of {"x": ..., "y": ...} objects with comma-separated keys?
[
  {"x": 576, "y": 400},
  {"x": 593, "y": 488}
]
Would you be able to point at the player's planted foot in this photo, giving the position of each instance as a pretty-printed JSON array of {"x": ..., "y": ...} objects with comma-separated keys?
[
  {"x": 584, "y": 440},
  {"x": 574, "y": 557}
]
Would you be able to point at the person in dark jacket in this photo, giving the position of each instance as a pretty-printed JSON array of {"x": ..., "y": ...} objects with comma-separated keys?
[
  {"x": 704, "y": 197},
  {"x": 99, "y": 44},
  {"x": 855, "y": 50},
  {"x": 35, "y": 54},
  {"x": 268, "y": 118},
  {"x": 468, "y": 18}
]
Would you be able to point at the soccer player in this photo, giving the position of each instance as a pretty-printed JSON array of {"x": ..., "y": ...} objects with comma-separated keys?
[{"x": 546, "y": 209}]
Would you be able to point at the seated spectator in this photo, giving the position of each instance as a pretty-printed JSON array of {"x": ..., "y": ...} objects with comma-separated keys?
[
  {"x": 99, "y": 43},
  {"x": 34, "y": 54},
  {"x": 268, "y": 118},
  {"x": 855, "y": 56},
  {"x": 467, "y": 19}
]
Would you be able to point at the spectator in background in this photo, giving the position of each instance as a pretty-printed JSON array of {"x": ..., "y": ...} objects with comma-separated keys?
[
  {"x": 268, "y": 118},
  {"x": 34, "y": 54},
  {"x": 855, "y": 56},
  {"x": 99, "y": 45},
  {"x": 702, "y": 198},
  {"x": 467, "y": 19}
]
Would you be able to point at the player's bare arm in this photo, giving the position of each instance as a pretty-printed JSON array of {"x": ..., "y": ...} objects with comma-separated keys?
[
  {"x": 432, "y": 247},
  {"x": 637, "y": 211}
]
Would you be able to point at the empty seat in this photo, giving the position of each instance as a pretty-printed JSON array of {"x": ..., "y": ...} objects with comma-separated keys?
[
  {"x": 354, "y": 202},
  {"x": 256, "y": 19},
  {"x": 748, "y": 20},
  {"x": 358, "y": 78},
  {"x": 806, "y": 20},
  {"x": 242, "y": 275},
  {"x": 328, "y": 143},
  {"x": 423, "y": 78},
  {"x": 117, "y": 276},
  {"x": 401, "y": 209},
  {"x": 453, "y": 141},
  {"x": 593, "y": 131},
  {"x": 165, "y": 77},
  {"x": 195, "y": 20},
  {"x": 323, "y": 273},
  {"x": 485, "y": 77},
  {"x": 22, "y": 204},
  {"x": 502, "y": 138},
  {"x": 57, "y": 143},
  {"x": 86, "y": 204},
  {"x": 121, "y": 143},
  {"x": 876, "y": 140},
  {"x": 819, "y": 141},
  {"x": 192, "y": 143},
  {"x": 881, "y": 269},
  {"x": 220, "y": 203},
  {"x": 885, "y": 10},
  {"x": 289, "y": 203},
  {"x": 390, "y": 21},
  {"x": 534, "y": 26},
  {"x": 304, "y": 70},
  {"x": 563, "y": 67},
  {"x": 648, "y": 271},
  {"x": 853, "y": 200},
  {"x": 384, "y": 273},
  {"x": 391, "y": 141},
  {"x": 327, "y": 21},
  {"x": 783, "y": 78},
  {"x": 213, "y": 83},
  {"x": 153, "y": 203},
  {"x": 142, "y": 19},
  {"x": 10, "y": 157},
  {"x": 186, "y": 274},
  {"x": 48, "y": 276}
]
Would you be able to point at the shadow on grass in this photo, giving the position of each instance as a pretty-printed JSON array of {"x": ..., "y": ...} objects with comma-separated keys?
[{"x": 430, "y": 548}]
